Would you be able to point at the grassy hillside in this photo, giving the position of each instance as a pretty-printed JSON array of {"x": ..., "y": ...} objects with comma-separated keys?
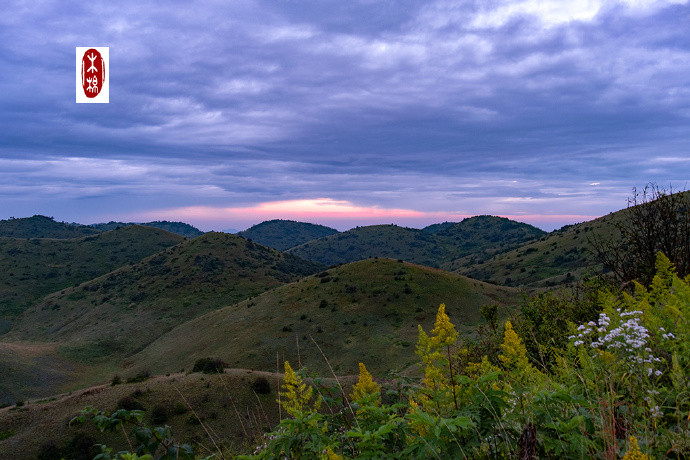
[
  {"x": 42, "y": 227},
  {"x": 122, "y": 311},
  {"x": 285, "y": 234},
  {"x": 179, "y": 228},
  {"x": 373, "y": 241},
  {"x": 364, "y": 311},
  {"x": 227, "y": 405},
  {"x": 433, "y": 246},
  {"x": 561, "y": 256},
  {"x": 31, "y": 269},
  {"x": 483, "y": 235}
]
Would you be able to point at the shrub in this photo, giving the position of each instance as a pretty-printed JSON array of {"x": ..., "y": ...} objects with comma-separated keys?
[
  {"x": 261, "y": 386},
  {"x": 49, "y": 451},
  {"x": 209, "y": 365},
  {"x": 159, "y": 415},
  {"x": 116, "y": 380},
  {"x": 179, "y": 408},
  {"x": 129, "y": 403},
  {"x": 141, "y": 376}
]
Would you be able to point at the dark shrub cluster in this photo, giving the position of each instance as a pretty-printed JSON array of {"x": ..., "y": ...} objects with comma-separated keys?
[
  {"x": 261, "y": 386},
  {"x": 209, "y": 365}
]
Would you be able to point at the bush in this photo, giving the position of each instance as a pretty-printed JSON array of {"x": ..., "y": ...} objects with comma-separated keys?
[
  {"x": 116, "y": 380},
  {"x": 129, "y": 403},
  {"x": 159, "y": 415},
  {"x": 81, "y": 447},
  {"x": 141, "y": 376},
  {"x": 209, "y": 366},
  {"x": 261, "y": 386},
  {"x": 179, "y": 408},
  {"x": 49, "y": 451}
]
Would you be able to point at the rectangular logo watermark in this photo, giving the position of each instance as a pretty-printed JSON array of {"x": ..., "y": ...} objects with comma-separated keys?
[{"x": 93, "y": 74}]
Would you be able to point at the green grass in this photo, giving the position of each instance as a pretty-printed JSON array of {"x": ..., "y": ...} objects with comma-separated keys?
[
  {"x": 433, "y": 246},
  {"x": 562, "y": 256},
  {"x": 31, "y": 269},
  {"x": 42, "y": 227},
  {"x": 121, "y": 312},
  {"x": 216, "y": 399},
  {"x": 285, "y": 234},
  {"x": 179, "y": 228},
  {"x": 364, "y": 311}
]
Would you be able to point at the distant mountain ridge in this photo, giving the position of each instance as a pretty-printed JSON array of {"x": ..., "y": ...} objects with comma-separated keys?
[
  {"x": 39, "y": 226},
  {"x": 285, "y": 234},
  {"x": 180, "y": 228}
]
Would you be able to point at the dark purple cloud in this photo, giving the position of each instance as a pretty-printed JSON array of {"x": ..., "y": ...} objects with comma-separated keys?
[{"x": 533, "y": 108}]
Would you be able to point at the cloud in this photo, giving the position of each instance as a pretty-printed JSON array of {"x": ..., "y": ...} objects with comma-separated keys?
[
  {"x": 431, "y": 106},
  {"x": 340, "y": 214}
]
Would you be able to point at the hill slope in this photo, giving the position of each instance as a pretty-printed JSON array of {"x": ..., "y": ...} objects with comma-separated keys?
[
  {"x": 359, "y": 243},
  {"x": 42, "y": 227},
  {"x": 216, "y": 400},
  {"x": 31, "y": 269},
  {"x": 179, "y": 228},
  {"x": 484, "y": 235},
  {"x": 285, "y": 234},
  {"x": 122, "y": 311},
  {"x": 433, "y": 246},
  {"x": 364, "y": 311},
  {"x": 561, "y": 256}
]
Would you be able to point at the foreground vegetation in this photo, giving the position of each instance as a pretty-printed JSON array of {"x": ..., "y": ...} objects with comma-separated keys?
[{"x": 617, "y": 387}]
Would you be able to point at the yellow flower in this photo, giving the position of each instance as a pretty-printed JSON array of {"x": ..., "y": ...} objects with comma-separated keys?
[
  {"x": 365, "y": 385},
  {"x": 330, "y": 455},
  {"x": 444, "y": 330},
  {"x": 514, "y": 351},
  {"x": 634, "y": 452},
  {"x": 296, "y": 395}
]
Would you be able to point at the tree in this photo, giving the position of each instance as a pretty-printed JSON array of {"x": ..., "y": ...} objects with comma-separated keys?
[{"x": 657, "y": 220}]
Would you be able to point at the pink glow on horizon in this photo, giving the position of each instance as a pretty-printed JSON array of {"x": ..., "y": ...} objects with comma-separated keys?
[{"x": 340, "y": 214}]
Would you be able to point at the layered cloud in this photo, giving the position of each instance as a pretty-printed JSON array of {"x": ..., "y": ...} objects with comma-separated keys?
[
  {"x": 510, "y": 107},
  {"x": 340, "y": 214}
]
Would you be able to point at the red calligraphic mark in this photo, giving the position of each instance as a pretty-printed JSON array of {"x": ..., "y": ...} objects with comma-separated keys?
[{"x": 92, "y": 73}]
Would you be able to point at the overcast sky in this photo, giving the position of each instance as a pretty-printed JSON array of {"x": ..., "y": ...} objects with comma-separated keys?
[{"x": 224, "y": 114}]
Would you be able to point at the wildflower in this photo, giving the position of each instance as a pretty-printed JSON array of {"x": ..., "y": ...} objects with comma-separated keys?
[{"x": 365, "y": 385}]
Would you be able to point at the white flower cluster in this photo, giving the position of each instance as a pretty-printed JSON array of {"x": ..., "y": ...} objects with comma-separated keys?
[{"x": 623, "y": 336}]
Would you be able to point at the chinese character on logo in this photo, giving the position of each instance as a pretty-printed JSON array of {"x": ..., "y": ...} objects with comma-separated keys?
[{"x": 92, "y": 80}]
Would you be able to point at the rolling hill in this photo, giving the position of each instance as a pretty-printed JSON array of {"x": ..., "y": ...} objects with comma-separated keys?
[
  {"x": 285, "y": 234},
  {"x": 562, "y": 256},
  {"x": 122, "y": 311},
  {"x": 434, "y": 246},
  {"x": 33, "y": 268},
  {"x": 42, "y": 227},
  {"x": 179, "y": 228},
  {"x": 363, "y": 311},
  {"x": 359, "y": 243}
]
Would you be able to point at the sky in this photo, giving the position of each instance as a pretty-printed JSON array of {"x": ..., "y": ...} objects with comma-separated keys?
[{"x": 223, "y": 114}]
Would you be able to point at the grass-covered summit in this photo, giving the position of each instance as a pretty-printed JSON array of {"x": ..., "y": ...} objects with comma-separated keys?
[
  {"x": 39, "y": 226},
  {"x": 285, "y": 234},
  {"x": 363, "y": 310},
  {"x": 434, "y": 246},
  {"x": 179, "y": 228}
]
